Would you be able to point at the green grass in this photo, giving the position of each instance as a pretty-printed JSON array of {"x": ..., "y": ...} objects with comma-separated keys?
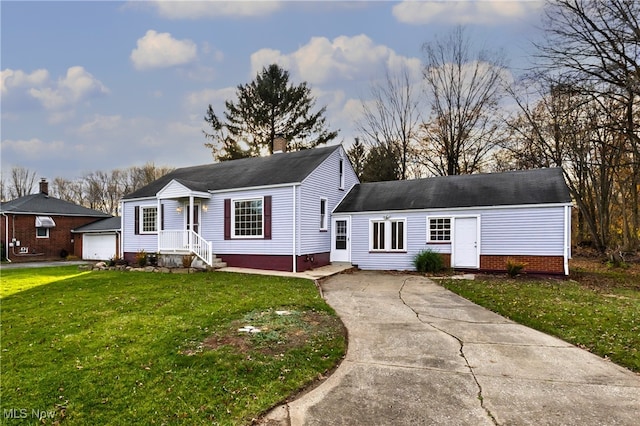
[
  {"x": 142, "y": 348},
  {"x": 18, "y": 280},
  {"x": 600, "y": 312}
]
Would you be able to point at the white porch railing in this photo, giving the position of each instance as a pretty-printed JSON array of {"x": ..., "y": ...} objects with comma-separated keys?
[{"x": 180, "y": 241}]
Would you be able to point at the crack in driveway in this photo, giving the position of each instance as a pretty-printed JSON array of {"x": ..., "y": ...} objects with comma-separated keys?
[{"x": 462, "y": 354}]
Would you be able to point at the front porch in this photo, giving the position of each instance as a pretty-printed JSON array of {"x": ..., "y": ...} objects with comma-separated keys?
[{"x": 183, "y": 239}]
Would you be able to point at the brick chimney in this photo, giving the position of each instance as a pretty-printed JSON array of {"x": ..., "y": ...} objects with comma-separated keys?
[
  {"x": 279, "y": 144},
  {"x": 44, "y": 186}
]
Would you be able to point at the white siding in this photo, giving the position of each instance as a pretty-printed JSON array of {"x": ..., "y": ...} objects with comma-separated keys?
[
  {"x": 281, "y": 241},
  {"x": 131, "y": 242},
  {"x": 504, "y": 231},
  {"x": 323, "y": 182},
  {"x": 173, "y": 220}
]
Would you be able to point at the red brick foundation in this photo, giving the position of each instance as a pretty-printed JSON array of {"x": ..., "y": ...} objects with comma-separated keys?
[{"x": 533, "y": 264}]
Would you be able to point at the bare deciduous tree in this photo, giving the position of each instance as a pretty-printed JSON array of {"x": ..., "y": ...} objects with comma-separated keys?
[
  {"x": 22, "y": 182},
  {"x": 595, "y": 47},
  {"x": 464, "y": 90},
  {"x": 393, "y": 117}
]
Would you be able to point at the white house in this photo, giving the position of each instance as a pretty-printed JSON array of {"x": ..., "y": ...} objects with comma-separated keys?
[
  {"x": 300, "y": 210},
  {"x": 268, "y": 213}
]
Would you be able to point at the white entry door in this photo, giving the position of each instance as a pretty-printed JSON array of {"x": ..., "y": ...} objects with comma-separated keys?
[
  {"x": 192, "y": 220},
  {"x": 341, "y": 240},
  {"x": 465, "y": 243}
]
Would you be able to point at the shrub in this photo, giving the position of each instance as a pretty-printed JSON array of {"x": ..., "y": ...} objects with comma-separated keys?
[
  {"x": 187, "y": 260},
  {"x": 428, "y": 261},
  {"x": 514, "y": 267},
  {"x": 141, "y": 258}
]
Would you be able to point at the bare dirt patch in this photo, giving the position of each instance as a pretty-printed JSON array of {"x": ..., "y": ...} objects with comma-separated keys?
[{"x": 279, "y": 332}]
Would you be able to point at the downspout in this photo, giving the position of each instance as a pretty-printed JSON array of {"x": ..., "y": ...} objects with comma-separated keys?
[
  {"x": 565, "y": 251},
  {"x": 121, "y": 239},
  {"x": 6, "y": 237},
  {"x": 295, "y": 262},
  {"x": 158, "y": 222}
]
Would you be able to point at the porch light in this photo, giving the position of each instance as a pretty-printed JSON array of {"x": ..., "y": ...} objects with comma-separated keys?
[
  {"x": 205, "y": 208},
  {"x": 179, "y": 209}
]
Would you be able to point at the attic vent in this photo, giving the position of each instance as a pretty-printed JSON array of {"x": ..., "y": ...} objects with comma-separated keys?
[{"x": 45, "y": 222}]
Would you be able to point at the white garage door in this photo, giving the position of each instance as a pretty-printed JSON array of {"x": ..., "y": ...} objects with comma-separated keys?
[{"x": 98, "y": 247}]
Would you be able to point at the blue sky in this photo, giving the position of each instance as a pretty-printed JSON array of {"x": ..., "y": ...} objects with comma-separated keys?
[{"x": 92, "y": 86}]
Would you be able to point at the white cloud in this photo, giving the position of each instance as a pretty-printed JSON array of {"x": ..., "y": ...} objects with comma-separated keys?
[
  {"x": 59, "y": 98},
  {"x": 161, "y": 50},
  {"x": 343, "y": 58},
  {"x": 100, "y": 123},
  {"x": 188, "y": 9},
  {"x": 463, "y": 12},
  {"x": 198, "y": 101},
  {"x": 76, "y": 86},
  {"x": 33, "y": 148},
  {"x": 10, "y": 79}
]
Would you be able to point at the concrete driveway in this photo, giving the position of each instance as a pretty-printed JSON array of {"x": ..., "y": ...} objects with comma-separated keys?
[{"x": 421, "y": 355}]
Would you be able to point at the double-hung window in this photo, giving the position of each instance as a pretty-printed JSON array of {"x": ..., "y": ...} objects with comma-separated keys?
[
  {"x": 148, "y": 219},
  {"x": 438, "y": 229},
  {"x": 248, "y": 218},
  {"x": 323, "y": 214},
  {"x": 388, "y": 235}
]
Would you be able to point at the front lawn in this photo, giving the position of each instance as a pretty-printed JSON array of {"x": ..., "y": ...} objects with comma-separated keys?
[
  {"x": 598, "y": 309},
  {"x": 115, "y": 347}
]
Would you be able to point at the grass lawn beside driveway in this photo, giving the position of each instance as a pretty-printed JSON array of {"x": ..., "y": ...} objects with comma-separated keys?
[
  {"x": 114, "y": 347},
  {"x": 597, "y": 309}
]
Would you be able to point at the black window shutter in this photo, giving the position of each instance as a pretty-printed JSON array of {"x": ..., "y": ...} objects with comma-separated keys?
[
  {"x": 227, "y": 219},
  {"x": 136, "y": 221},
  {"x": 162, "y": 217},
  {"x": 266, "y": 208}
]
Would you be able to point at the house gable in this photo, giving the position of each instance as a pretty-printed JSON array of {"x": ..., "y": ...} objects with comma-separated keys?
[{"x": 182, "y": 189}]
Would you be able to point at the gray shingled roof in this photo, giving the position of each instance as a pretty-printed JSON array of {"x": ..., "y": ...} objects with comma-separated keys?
[
  {"x": 282, "y": 168},
  {"x": 541, "y": 186},
  {"x": 43, "y": 204},
  {"x": 104, "y": 225}
]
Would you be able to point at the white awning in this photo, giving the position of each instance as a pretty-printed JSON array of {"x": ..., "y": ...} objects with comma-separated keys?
[{"x": 45, "y": 222}]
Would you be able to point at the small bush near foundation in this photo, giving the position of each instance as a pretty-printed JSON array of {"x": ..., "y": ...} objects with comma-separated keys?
[
  {"x": 187, "y": 260},
  {"x": 428, "y": 261},
  {"x": 141, "y": 258},
  {"x": 514, "y": 267}
]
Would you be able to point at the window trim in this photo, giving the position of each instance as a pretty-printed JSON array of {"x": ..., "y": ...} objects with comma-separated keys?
[
  {"x": 387, "y": 236},
  {"x": 141, "y": 230},
  {"x": 42, "y": 236},
  {"x": 428, "y": 236},
  {"x": 324, "y": 216},
  {"x": 233, "y": 235}
]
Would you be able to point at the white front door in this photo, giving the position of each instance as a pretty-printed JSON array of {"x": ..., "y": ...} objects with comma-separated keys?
[
  {"x": 340, "y": 240},
  {"x": 465, "y": 243},
  {"x": 192, "y": 222}
]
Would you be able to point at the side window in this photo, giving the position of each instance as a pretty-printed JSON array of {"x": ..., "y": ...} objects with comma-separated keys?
[
  {"x": 341, "y": 172},
  {"x": 439, "y": 229},
  {"x": 323, "y": 214},
  {"x": 388, "y": 235},
  {"x": 149, "y": 220}
]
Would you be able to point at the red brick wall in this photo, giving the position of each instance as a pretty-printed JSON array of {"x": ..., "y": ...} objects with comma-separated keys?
[
  {"x": 534, "y": 264},
  {"x": 23, "y": 229}
]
